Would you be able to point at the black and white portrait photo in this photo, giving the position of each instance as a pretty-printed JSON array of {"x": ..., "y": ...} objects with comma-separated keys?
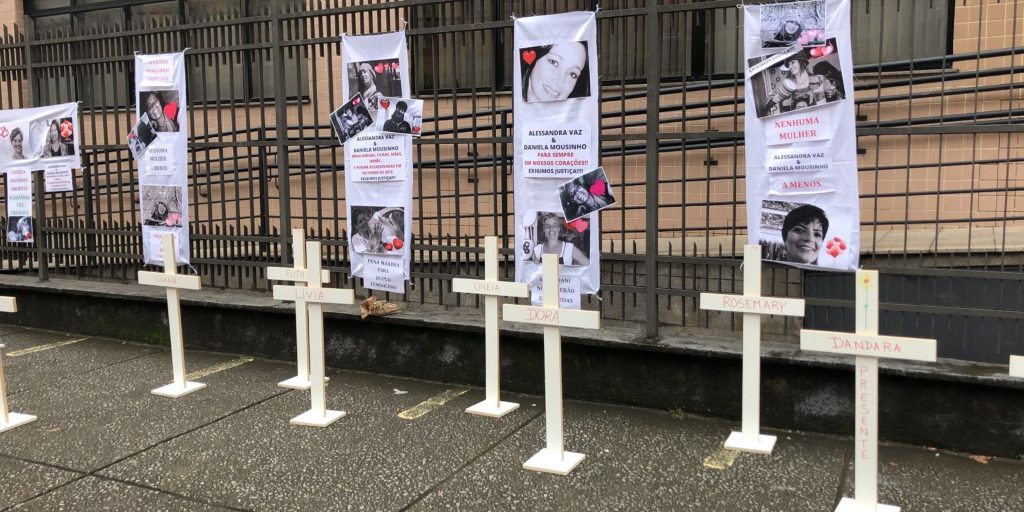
[
  {"x": 378, "y": 229},
  {"x": 161, "y": 205},
  {"x": 808, "y": 78},
  {"x": 351, "y": 119},
  {"x": 550, "y": 233},
  {"x": 374, "y": 80},
  {"x": 805, "y": 234},
  {"x": 15, "y": 143},
  {"x": 141, "y": 137},
  {"x": 786, "y": 24},
  {"x": 585, "y": 194},
  {"x": 555, "y": 72},
  {"x": 400, "y": 115},
  {"x": 20, "y": 230},
  {"x": 161, "y": 109}
]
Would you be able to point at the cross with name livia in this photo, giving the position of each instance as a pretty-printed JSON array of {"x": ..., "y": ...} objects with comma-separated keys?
[
  {"x": 868, "y": 346},
  {"x": 553, "y": 458},
  {"x": 8, "y": 419},
  {"x": 173, "y": 281},
  {"x": 299, "y": 275},
  {"x": 314, "y": 297},
  {"x": 492, "y": 289},
  {"x": 752, "y": 305}
]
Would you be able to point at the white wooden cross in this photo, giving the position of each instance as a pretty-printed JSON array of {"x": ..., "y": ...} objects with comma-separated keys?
[
  {"x": 752, "y": 305},
  {"x": 299, "y": 275},
  {"x": 314, "y": 297},
  {"x": 173, "y": 281},
  {"x": 492, "y": 289},
  {"x": 868, "y": 346},
  {"x": 1017, "y": 366},
  {"x": 9, "y": 420},
  {"x": 553, "y": 458}
]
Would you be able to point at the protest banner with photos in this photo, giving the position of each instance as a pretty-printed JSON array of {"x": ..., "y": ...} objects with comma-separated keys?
[{"x": 32, "y": 139}]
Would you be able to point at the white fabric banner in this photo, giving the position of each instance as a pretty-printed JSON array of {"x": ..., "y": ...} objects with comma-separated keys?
[
  {"x": 162, "y": 104},
  {"x": 34, "y": 138},
  {"x": 800, "y": 132},
  {"x": 378, "y": 165},
  {"x": 20, "y": 224},
  {"x": 555, "y": 105}
]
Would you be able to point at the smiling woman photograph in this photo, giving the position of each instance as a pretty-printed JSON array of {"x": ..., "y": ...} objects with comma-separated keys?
[
  {"x": 555, "y": 72},
  {"x": 162, "y": 109},
  {"x": 803, "y": 232},
  {"x": 17, "y": 144},
  {"x": 553, "y": 237}
]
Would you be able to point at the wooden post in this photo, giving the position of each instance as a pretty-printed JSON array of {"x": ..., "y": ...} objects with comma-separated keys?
[
  {"x": 8, "y": 419},
  {"x": 867, "y": 346},
  {"x": 298, "y": 274},
  {"x": 752, "y": 305},
  {"x": 553, "y": 458},
  {"x": 173, "y": 281},
  {"x": 493, "y": 290},
  {"x": 315, "y": 296}
]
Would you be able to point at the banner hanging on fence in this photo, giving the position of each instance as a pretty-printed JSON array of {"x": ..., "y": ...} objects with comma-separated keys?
[
  {"x": 555, "y": 103},
  {"x": 35, "y": 138},
  {"x": 800, "y": 133},
  {"x": 161, "y": 110},
  {"x": 20, "y": 224},
  {"x": 378, "y": 164}
]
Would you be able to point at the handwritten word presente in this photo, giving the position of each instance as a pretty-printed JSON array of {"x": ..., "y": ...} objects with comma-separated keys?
[{"x": 864, "y": 401}]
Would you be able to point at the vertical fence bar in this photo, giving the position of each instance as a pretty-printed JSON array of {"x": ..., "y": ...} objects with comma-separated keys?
[
  {"x": 281, "y": 120},
  {"x": 653, "y": 72}
]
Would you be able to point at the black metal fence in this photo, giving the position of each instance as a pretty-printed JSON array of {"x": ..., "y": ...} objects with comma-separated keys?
[{"x": 938, "y": 95}]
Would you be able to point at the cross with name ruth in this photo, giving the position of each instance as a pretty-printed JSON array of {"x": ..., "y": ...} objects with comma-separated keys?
[
  {"x": 299, "y": 275},
  {"x": 867, "y": 346},
  {"x": 752, "y": 305},
  {"x": 492, "y": 289}
]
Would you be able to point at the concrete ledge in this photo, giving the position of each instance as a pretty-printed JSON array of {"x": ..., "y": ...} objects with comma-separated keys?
[{"x": 963, "y": 406}]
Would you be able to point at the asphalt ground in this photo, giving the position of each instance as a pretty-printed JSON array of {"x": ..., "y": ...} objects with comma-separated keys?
[{"x": 104, "y": 442}]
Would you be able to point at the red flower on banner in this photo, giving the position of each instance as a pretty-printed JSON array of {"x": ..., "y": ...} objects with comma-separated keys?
[
  {"x": 835, "y": 247},
  {"x": 579, "y": 225},
  {"x": 66, "y": 129},
  {"x": 4, "y": 132},
  {"x": 529, "y": 56},
  {"x": 171, "y": 111}
]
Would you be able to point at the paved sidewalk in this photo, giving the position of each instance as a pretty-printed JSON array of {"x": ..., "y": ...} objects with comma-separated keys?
[{"x": 103, "y": 442}]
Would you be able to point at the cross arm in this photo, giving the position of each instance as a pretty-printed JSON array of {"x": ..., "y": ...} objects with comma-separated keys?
[
  {"x": 166, "y": 280},
  {"x": 315, "y": 295},
  {"x": 486, "y": 287},
  {"x": 871, "y": 345},
  {"x": 552, "y": 317},
  {"x": 758, "y": 305}
]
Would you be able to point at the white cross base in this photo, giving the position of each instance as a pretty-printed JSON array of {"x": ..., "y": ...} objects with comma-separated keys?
[
  {"x": 553, "y": 458},
  {"x": 299, "y": 275},
  {"x": 314, "y": 297},
  {"x": 9, "y": 420},
  {"x": 752, "y": 305},
  {"x": 868, "y": 346},
  {"x": 1017, "y": 366},
  {"x": 173, "y": 281},
  {"x": 492, "y": 289}
]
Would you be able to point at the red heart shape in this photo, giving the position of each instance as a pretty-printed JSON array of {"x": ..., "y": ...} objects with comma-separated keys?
[
  {"x": 598, "y": 188},
  {"x": 385, "y": 103},
  {"x": 398, "y": 243},
  {"x": 171, "y": 110},
  {"x": 388, "y": 246},
  {"x": 379, "y": 67},
  {"x": 579, "y": 225},
  {"x": 834, "y": 252},
  {"x": 529, "y": 56},
  {"x": 826, "y": 50},
  {"x": 415, "y": 129},
  {"x": 815, "y": 52},
  {"x": 842, "y": 246},
  {"x": 829, "y": 244}
]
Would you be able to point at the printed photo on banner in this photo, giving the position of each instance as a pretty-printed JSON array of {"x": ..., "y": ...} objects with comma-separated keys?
[
  {"x": 56, "y": 136},
  {"x": 804, "y": 234},
  {"x": 586, "y": 194},
  {"x": 378, "y": 229},
  {"x": 14, "y": 143},
  {"x": 161, "y": 205},
  {"x": 161, "y": 109},
  {"x": 400, "y": 115},
  {"x": 374, "y": 80},
  {"x": 141, "y": 137},
  {"x": 808, "y": 78},
  {"x": 20, "y": 230},
  {"x": 555, "y": 72},
  {"x": 550, "y": 233},
  {"x": 786, "y": 24},
  {"x": 350, "y": 119}
]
